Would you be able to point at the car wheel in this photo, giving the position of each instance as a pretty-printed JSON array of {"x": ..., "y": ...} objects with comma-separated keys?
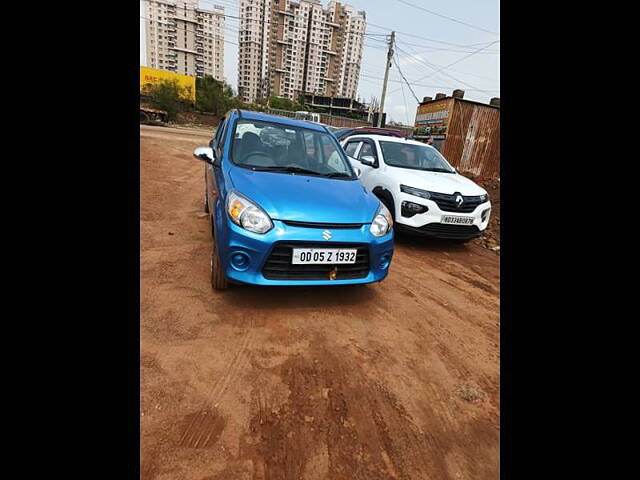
[
  {"x": 388, "y": 202},
  {"x": 218, "y": 278}
]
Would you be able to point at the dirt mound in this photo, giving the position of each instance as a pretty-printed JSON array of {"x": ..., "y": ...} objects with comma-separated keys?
[{"x": 491, "y": 237}]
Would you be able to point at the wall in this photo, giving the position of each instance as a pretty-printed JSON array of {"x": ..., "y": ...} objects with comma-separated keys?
[
  {"x": 331, "y": 120},
  {"x": 473, "y": 139}
]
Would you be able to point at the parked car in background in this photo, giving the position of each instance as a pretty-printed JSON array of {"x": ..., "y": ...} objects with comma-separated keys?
[
  {"x": 425, "y": 194},
  {"x": 287, "y": 207},
  {"x": 308, "y": 116},
  {"x": 342, "y": 133}
]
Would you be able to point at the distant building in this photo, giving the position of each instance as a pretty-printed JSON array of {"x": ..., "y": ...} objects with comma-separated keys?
[
  {"x": 185, "y": 39},
  {"x": 337, "y": 106},
  {"x": 288, "y": 48}
]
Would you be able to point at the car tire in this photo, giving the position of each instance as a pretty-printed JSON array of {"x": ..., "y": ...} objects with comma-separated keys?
[
  {"x": 218, "y": 278},
  {"x": 388, "y": 202}
]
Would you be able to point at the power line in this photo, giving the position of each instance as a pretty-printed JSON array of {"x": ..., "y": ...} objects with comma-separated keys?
[
  {"x": 414, "y": 53},
  {"x": 428, "y": 64},
  {"x": 404, "y": 78},
  {"x": 193, "y": 31},
  {"x": 448, "y": 18},
  {"x": 457, "y": 61},
  {"x": 406, "y": 109},
  {"x": 252, "y": 20},
  {"x": 425, "y": 85},
  {"x": 427, "y": 39},
  {"x": 453, "y": 50}
]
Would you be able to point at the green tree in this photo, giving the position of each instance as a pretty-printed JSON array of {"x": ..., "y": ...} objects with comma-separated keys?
[
  {"x": 166, "y": 96},
  {"x": 214, "y": 96},
  {"x": 282, "y": 103}
]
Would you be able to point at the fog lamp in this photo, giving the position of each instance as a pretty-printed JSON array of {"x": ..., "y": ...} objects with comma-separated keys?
[
  {"x": 240, "y": 261},
  {"x": 385, "y": 260},
  {"x": 409, "y": 209}
]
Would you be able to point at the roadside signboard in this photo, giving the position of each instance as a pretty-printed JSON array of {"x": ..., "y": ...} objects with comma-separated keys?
[
  {"x": 152, "y": 76},
  {"x": 432, "y": 119}
]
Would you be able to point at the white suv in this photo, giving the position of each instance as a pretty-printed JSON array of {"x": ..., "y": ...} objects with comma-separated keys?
[{"x": 422, "y": 190}]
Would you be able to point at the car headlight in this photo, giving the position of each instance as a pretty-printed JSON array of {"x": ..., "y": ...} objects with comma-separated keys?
[
  {"x": 484, "y": 198},
  {"x": 382, "y": 222},
  {"x": 415, "y": 191},
  {"x": 246, "y": 214}
]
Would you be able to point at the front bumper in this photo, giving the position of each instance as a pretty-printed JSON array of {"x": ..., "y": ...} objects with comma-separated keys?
[
  {"x": 430, "y": 223},
  {"x": 258, "y": 248}
]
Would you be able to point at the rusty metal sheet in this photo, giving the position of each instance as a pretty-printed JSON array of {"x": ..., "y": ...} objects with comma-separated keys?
[{"x": 473, "y": 139}]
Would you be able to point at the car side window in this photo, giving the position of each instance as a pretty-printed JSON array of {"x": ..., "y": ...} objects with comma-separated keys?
[
  {"x": 215, "y": 142},
  {"x": 351, "y": 147},
  {"x": 368, "y": 150},
  {"x": 223, "y": 135}
]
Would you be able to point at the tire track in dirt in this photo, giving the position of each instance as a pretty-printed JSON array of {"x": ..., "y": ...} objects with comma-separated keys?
[
  {"x": 203, "y": 425},
  {"x": 334, "y": 407},
  {"x": 336, "y": 383}
]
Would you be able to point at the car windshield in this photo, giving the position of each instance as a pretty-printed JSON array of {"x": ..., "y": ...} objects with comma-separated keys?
[
  {"x": 417, "y": 157},
  {"x": 267, "y": 146}
]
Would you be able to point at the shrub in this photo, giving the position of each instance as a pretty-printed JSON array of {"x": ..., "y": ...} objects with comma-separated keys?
[{"x": 166, "y": 96}]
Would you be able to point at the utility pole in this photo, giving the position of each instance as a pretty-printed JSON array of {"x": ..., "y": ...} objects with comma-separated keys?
[{"x": 386, "y": 76}]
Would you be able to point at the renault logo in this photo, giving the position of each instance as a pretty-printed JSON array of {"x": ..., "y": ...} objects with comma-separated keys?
[
  {"x": 459, "y": 200},
  {"x": 326, "y": 235}
]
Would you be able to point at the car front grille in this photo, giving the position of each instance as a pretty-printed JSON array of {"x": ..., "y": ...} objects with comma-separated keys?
[
  {"x": 279, "y": 267},
  {"x": 445, "y": 230},
  {"x": 293, "y": 223},
  {"x": 447, "y": 203}
]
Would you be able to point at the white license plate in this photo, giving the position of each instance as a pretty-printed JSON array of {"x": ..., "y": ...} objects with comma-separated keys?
[
  {"x": 323, "y": 255},
  {"x": 457, "y": 220}
]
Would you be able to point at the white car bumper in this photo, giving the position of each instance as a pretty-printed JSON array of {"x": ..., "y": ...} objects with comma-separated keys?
[{"x": 431, "y": 222}]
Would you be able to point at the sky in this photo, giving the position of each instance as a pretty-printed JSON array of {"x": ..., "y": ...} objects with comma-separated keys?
[{"x": 424, "y": 48}]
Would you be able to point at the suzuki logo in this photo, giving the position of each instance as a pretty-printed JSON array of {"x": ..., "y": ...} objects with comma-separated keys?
[
  {"x": 326, "y": 235},
  {"x": 459, "y": 200}
]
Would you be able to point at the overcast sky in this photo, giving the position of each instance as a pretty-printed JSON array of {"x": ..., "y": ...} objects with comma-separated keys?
[{"x": 419, "y": 58}]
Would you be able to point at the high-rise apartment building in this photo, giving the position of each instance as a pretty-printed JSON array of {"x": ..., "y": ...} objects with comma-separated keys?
[
  {"x": 184, "y": 38},
  {"x": 288, "y": 48}
]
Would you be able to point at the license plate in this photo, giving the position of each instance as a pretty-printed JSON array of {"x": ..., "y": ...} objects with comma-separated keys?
[
  {"x": 323, "y": 255},
  {"x": 457, "y": 220}
]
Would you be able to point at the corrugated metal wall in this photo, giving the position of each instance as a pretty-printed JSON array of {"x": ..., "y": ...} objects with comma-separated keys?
[{"x": 473, "y": 139}]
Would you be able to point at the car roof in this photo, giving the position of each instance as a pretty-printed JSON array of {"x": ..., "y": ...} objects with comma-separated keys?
[
  {"x": 372, "y": 130},
  {"x": 364, "y": 130},
  {"x": 290, "y": 122},
  {"x": 387, "y": 138}
]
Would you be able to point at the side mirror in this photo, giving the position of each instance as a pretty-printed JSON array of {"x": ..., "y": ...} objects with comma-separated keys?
[
  {"x": 368, "y": 160},
  {"x": 358, "y": 171},
  {"x": 205, "y": 154}
]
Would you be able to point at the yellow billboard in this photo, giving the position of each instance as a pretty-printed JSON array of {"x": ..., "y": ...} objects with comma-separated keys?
[{"x": 152, "y": 76}]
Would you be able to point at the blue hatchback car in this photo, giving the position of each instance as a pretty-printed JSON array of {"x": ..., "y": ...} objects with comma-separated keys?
[{"x": 287, "y": 208}]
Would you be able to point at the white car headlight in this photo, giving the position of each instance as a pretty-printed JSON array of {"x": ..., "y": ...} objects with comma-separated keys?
[
  {"x": 382, "y": 222},
  {"x": 415, "y": 191},
  {"x": 246, "y": 214}
]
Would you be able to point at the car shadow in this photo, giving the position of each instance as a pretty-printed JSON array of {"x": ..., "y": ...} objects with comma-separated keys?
[
  {"x": 430, "y": 244},
  {"x": 321, "y": 296}
]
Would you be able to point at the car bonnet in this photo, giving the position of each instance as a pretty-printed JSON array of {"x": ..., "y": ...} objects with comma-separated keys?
[{"x": 296, "y": 197}]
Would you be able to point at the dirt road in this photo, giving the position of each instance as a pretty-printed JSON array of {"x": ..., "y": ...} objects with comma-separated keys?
[{"x": 396, "y": 380}]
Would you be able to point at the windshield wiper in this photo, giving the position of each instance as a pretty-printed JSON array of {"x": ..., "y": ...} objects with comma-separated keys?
[
  {"x": 443, "y": 170},
  {"x": 286, "y": 170},
  {"x": 337, "y": 174}
]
